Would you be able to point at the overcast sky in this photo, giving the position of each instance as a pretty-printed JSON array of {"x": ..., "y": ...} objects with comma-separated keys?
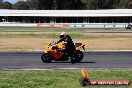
[{"x": 12, "y": 1}]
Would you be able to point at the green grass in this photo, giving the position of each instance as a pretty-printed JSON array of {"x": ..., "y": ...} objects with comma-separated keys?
[
  {"x": 37, "y": 28},
  {"x": 32, "y": 35},
  {"x": 55, "y": 35},
  {"x": 115, "y": 39},
  {"x": 63, "y": 29},
  {"x": 58, "y": 78}
]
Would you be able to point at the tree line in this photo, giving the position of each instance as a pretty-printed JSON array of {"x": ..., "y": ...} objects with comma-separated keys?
[{"x": 66, "y": 4}]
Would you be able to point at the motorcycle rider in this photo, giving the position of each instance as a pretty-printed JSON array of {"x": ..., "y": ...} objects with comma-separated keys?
[{"x": 69, "y": 45}]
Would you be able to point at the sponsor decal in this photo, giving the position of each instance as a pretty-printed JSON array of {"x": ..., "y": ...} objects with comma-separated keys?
[
  {"x": 52, "y": 25},
  {"x": 85, "y": 81}
]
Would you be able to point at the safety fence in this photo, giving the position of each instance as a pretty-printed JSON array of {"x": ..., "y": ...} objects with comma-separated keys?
[{"x": 67, "y": 25}]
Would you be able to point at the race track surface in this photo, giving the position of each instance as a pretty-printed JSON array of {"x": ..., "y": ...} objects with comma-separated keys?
[{"x": 31, "y": 60}]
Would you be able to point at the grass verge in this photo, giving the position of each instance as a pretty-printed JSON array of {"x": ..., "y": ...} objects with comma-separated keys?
[
  {"x": 58, "y": 78},
  {"x": 36, "y": 29},
  {"x": 95, "y": 39},
  {"x": 55, "y": 35},
  {"x": 62, "y": 29},
  {"x": 33, "y": 35}
]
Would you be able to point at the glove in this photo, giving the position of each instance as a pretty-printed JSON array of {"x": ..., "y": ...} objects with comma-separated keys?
[{"x": 62, "y": 50}]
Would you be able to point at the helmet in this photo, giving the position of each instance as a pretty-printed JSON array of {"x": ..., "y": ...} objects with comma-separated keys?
[{"x": 62, "y": 34}]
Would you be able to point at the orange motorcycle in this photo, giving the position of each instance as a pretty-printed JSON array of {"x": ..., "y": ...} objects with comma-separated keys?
[{"x": 53, "y": 52}]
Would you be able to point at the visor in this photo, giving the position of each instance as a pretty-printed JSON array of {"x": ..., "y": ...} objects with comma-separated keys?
[{"x": 61, "y": 36}]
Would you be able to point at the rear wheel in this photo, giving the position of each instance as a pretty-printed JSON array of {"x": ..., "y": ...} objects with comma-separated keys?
[
  {"x": 78, "y": 56},
  {"x": 46, "y": 58}
]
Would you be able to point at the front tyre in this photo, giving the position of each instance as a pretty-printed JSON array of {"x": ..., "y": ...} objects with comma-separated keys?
[{"x": 46, "y": 58}]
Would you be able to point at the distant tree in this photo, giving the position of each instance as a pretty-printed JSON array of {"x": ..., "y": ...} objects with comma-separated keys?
[
  {"x": 1, "y": 5},
  {"x": 40, "y": 4},
  {"x": 47, "y": 4},
  {"x": 129, "y": 5},
  {"x": 56, "y": 4},
  {"x": 122, "y": 4},
  {"x": 105, "y": 4},
  {"x": 5, "y": 5},
  {"x": 64, "y": 4},
  {"x": 91, "y": 4},
  {"x": 21, "y": 5},
  {"x": 115, "y": 4},
  {"x": 1, "y": 0},
  {"x": 71, "y": 4},
  {"x": 125, "y": 4},
  {"x": 79, "y": 4},
  {"x": 33, "y": 4}
]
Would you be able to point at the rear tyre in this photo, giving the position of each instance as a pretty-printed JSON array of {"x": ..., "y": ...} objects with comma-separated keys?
[
  {"x": 78, "y": 56},
  {"x": 46, "y": 58}
]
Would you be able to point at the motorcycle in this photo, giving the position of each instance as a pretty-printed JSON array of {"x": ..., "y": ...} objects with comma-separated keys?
[{"x": 53, "y": 52}]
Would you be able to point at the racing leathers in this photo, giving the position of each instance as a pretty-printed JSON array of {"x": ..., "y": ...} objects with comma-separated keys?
[{"x": 69, "y": 45}]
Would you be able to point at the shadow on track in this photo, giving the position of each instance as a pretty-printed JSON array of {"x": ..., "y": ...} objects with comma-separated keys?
[{"x": 71, "y": 62}]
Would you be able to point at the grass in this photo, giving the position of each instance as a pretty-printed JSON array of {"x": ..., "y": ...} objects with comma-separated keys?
[
  {"x": 58, "y": 78},
  {"x": 32, "y": 35},
  {"x": 37, "y": 29},
  {"x": 32, "y": 40},
  {"x": 63, "y": 29},
  {"x": 55, "y": 35}
]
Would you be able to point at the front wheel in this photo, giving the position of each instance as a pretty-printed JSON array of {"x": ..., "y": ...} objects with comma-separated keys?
[
  {"x": 46, "y": 58},
  {"x": 78, "y": 56}
]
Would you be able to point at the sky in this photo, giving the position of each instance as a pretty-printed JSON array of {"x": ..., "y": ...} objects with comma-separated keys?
[{"x": 12, "y": 1}]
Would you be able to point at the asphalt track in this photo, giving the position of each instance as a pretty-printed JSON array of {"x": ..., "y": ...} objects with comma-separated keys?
[{"x": 92, "y": 59}]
